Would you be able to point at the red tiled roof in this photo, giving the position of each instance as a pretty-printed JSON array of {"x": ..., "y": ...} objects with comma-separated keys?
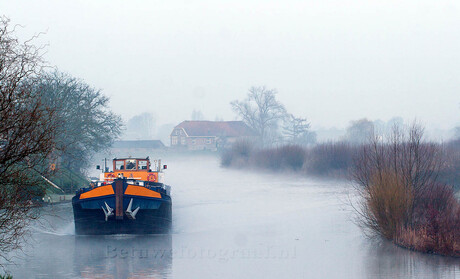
[{"x": 216, "y": 128}]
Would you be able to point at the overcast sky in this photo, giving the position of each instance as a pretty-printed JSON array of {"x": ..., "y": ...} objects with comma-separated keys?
[{"x": 331, "y": 61}]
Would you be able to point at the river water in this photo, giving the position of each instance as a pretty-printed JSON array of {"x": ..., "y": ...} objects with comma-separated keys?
[{"x": 230, "y": 224}]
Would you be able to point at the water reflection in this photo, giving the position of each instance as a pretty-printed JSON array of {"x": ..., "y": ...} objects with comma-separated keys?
[
  {"x": 123, "y": 256},
  {"x": 387, "y": 260},
  {"x": 70, "y": 256}
]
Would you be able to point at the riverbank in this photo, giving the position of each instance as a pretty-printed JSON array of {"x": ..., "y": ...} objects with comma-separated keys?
[
  {"x": 56, "y": 198},
  {"x": 427, "y": 222}
]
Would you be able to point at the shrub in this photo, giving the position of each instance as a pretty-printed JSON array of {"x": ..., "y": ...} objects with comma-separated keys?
[
  {"x": 292, "y": 156},
  {"x": 238, "y": 155},
  {"x": 330, "y": 159},
  {"x": 439, "y": 234},
  {"x": 438, "y": 215},
  {"x": 226, "y": 159},
  {"x": 387, "y": 205},
  {"x": 449, "y": 174},
  {"x": 402, "y": 198},
  {"x": 267, "y": 159}
]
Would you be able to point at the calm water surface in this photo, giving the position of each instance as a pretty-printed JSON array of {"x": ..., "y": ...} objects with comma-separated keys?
[{"x": 231, "y": 224}]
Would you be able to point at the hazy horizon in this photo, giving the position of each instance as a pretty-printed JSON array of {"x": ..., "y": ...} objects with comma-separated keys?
[{"x": 331, "y": 61}]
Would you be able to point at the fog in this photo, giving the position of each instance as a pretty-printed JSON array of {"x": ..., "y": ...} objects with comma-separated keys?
[
  {"x": 231, "y": 224},
  {"x": 331, "y": 61},
  {"x": 163, "y": 62}
]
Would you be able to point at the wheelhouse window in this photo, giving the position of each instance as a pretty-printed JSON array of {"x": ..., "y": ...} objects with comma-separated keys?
[
  {"x": 142, "y": 164},
  {"x": 131, "y": 164},
  {"x": 120, "y": 165}
]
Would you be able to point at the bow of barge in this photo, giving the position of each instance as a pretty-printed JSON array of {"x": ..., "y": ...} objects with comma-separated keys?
[{"x": 131, "y": 199}]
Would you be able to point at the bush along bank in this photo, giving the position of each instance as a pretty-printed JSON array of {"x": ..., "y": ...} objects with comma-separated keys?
[
  {"x": 403, "y": 197},
  {"x": 332, "y": 159}
]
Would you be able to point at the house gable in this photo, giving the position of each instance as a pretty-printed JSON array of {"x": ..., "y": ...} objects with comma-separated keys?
[{"x": 209, "y": 135}]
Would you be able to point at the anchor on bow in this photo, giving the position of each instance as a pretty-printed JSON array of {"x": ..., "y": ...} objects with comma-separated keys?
[
  {"x": 131, "y": 214},
  {"x": 108, "y": 212}
]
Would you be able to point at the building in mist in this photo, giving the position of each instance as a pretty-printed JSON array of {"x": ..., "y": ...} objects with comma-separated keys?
[{"x": 209, "y": 135}]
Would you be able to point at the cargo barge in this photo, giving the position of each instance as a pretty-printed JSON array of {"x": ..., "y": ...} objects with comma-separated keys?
[{"x": 130, "y": 199}]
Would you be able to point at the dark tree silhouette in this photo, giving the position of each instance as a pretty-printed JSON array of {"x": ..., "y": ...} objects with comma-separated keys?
[
  {"x": 27, "y": 136},
  {"x": 44, "y": 118}
]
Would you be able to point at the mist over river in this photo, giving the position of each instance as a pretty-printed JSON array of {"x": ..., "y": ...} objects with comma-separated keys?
[{"x": 230, "y": 224}]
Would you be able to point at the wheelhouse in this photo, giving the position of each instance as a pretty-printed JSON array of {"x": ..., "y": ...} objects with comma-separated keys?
[
  {"x": 131, "y": 164},
  {"x": 140, "y": 169}
]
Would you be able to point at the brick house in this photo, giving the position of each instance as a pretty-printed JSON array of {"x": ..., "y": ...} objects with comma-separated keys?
[{"x": 209, "y": 135}]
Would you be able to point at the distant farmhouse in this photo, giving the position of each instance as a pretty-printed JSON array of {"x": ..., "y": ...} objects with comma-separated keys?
[
  {"x": 136, "y": 146},
  {"x": 209, "y": 135}
]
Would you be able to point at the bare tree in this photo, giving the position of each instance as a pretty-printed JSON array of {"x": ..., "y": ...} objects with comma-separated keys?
[
  {"x": 297, "y": 130},
  {"x": 27, "y": 132},
  {"x": 261, "y": 111}
]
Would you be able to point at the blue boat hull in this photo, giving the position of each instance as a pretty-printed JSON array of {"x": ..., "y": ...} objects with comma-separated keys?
[{"x": 153, "y": 217}]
